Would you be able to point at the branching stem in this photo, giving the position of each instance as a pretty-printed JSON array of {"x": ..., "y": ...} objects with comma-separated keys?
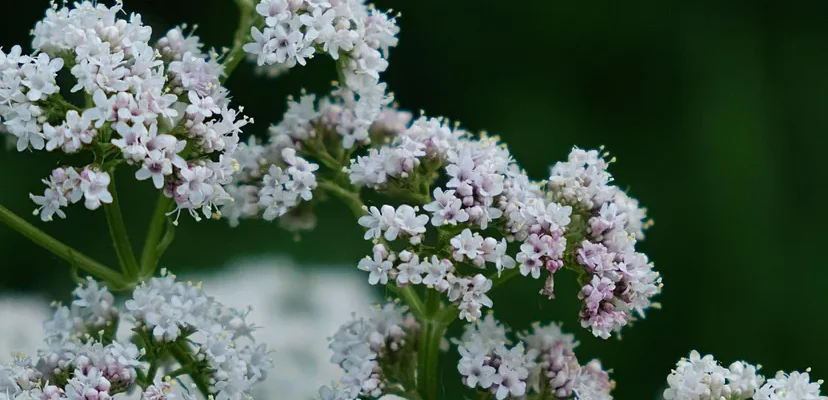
[{"x": 73, "y": 257}]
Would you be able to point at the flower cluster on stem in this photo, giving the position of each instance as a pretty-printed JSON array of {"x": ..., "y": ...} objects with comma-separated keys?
[
  {"x": 700, "y": 377},
  {"x": 375, "y": 353},
  {"x": 542, "y": 363},
  {"x": 83, "y": 359},
  {"x": 159, "y": 109}
]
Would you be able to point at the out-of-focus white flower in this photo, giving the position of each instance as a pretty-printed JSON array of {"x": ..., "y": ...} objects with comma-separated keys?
[
  {"x": 22, "y": 331},
  {"x": 703, "y": 378},
  {"x": 298, "y": 308}
]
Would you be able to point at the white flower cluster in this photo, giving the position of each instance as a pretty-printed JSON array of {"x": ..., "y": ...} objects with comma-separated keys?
[
  {"x": 161, "y": 389},
  {"x": 25, "y": 81},
  {"x": 306, "y": 125},
  {"x": 479, "y": 250},
  {"x": 542, "y": 362},
  {"x": 622, "y": 281},
  {"x": 486, "y": 361},
  {"x": 356, "y": 35},
  {"x": 92, "y": 310},
  {"x": 80, "y": 360},
  {"x": 66, "y": 185},
  {"x": 426, "y": 139},
  {"x": 702, "y": 378},
  {"x": 407, "y": 268},
  {"x": 390, "y": 223},
  {"x": 363, "y": 347},
  {"x": 541, "y": 225},
  {"x": 282, "y": 190},
  {"x": 485, "y": 186},
  {"x": 169, "y": 310},
  {"x": 263, "y": 187},
  {"x": 162, "y": 110},
  {"x": 298, "y": 308}
]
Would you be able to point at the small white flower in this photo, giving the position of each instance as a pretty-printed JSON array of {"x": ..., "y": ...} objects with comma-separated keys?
[
  {"x": 95, "y": 187},
  {"x": 204, "y": 106},
  {"x": 408, "y": 222},
  {"x": 437, "y": 271},
  {"x": 467, "y": 245},
  {"x": 378, "y": 266},
  {"x": 40, "y": 76},
  {"x": 446, "y": 208},
  {"x": 410, "y": 269},
  {"x": 156, "y": 166}
]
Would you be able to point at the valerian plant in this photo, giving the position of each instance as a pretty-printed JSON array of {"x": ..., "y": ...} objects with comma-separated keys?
[{"x": 449, "y": 214}]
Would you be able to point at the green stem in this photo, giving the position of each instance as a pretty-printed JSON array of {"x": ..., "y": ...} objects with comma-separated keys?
[
  {"x": 242, "y": 36},
  {"x": 317, "y": 149},
  {"x": 428, "y": 356},
  {"x": 182, "y": 354},
  {"x": 152, "y": 251},
  {"x": 117, "y": 230},
  {"x": 432, "y": 302},
  {"x": 68, "y": 254},
  {"x": 179, "y": 372},
  {"x": 351, "y": 199},
  {"x": 415, "y": 305},
  {"x": 423, "y": 367},
  {"x": 153, "y": 370}
]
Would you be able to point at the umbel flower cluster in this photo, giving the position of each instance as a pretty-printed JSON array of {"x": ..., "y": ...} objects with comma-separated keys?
[
  {"x": 375, "y": 354},
  {"x": 467, "y": 206},
  {"x": 356, "y": 35},
  {"x": 449, "y": 214},
  {"x": 703, "y": 378},
  {"x": 177, "y": 330},
  {"x": 158, "y": 108},
  {"x": 543, "y": 362}
]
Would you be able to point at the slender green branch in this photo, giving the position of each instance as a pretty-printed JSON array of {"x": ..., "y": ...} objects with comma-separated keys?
[
  {"x": 423, "y": 361},
  {"x": 351, "y": 199},
  {"x": 179, "y": 372},
  {"x": 117, "y": 230},
  {"x": 432, "y": 301},
  {"x": 68, "y": 254},
  {"x": 242, "y": 36},
  {"x": 317, "y": 149},
  {"x": 182, "y": 354},
  {"x": 412, "y": 299},
  {"x": 152, "y": 253},
  {"x": 428, "y": 355},
  {"x": 153, "y": 370},
  {"x": 166, "y": 240}
]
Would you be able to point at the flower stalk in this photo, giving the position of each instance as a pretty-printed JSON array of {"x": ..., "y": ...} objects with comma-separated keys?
[
  {"x": 181, "y": 354},
  {"x": 242, "y": 36},
  {"x": 58, "y": 248},
  {"x": 119, "y": 235},
  {"x": 431, "y": 334},
  {"x": 153, "y": 250}
]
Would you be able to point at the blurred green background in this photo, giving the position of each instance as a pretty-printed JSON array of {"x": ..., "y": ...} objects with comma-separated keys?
[{"x": 717, "y": 113}]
